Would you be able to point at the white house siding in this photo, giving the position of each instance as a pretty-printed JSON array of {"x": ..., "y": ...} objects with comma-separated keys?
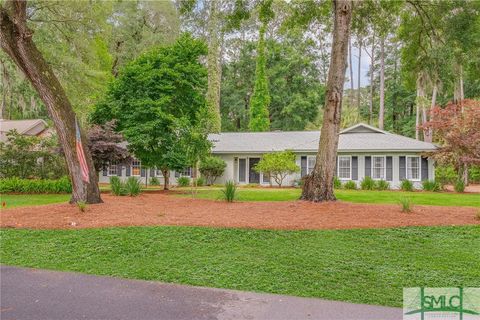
[
  {"x": 232, "y": 174},
  {"x": 106, "y": 178}
]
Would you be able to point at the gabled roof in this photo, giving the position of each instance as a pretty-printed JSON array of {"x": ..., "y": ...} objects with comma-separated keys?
[
  {"x": 358, "y": 138},
  {"x": 27, "y": 127}
]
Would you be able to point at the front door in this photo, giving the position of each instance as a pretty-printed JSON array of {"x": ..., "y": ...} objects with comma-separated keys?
[{"x": 253, "y": 176}]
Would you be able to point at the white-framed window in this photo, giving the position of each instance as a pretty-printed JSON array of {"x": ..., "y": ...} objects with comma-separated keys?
[
  {"x": 112, "y": 169},
  {"x": 378, "y": 167},
  {"x": 311, "y": 160},
  {"x": 136, "y": 167},
  {"x": 187, "y": 172},
  {"x": 158, "y": 173},
  {"x": 344, "y": 167},
  {"x": 413, "y": 168}
]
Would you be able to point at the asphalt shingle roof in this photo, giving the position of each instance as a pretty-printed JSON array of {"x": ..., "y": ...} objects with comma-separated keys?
[{"x": 357, "y": 138}]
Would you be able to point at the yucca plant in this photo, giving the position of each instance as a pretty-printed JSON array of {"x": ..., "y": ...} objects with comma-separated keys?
[
  {"x": 183, "y": 181},
  {"x": 431, "y": 185},
  {"x": 382, "y": 185},
  {"x": 132, "y": 186},
  {"x": 350, "y": 185},
  {"x": 229, "y": 192},
  {"x": 367, "y": 183},
  {"x": 459, "y": 186},
  {"x": 154, "y": 181},
  {"x": 118, "y": 187},
  {"x": 406, "y": 204},
  {"x": 337, "y": 184}
]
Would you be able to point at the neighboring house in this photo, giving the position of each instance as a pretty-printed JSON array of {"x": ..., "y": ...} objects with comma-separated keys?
[
  {"x": 34, "y": 127},
  {"x": 363, "y": 150}
]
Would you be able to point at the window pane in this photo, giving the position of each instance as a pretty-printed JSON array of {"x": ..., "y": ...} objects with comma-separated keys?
[
  {"x": 413, "y": 168},
  {"x": 136, "y": 168},
  {"x": 112, "y": 169},
  {"x": 344, "y": 167},
  {"x": 378, "y": 171}
]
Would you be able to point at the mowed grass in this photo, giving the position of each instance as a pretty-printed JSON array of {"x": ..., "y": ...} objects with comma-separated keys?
[
  {"x": 363, "y": 265},
  {"x": 358, "y": 196},
  {"x": 19, "y": 200}
]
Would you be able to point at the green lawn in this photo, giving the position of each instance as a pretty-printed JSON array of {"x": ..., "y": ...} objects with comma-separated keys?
[
  {"x": 365, "y": 266},
  {"x": 360, "y": 196},
  {"x": 19, "y": 200}
]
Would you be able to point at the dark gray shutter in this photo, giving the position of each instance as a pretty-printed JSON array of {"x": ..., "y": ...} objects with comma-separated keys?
[
  {"x": 152, "y": 172},
  {"x": 143, "y": 172},
  {"x": 354, "y": 168},
  {"x": 368, "y": 166},
  {"x": 303, "y": 166},
  {"x": 105, "y": 171},
  {"x": 119, "y": 170},
  {"x": 389, "y": 169},
  {"x": 402, "y": 168},
  {"x": 127, "y": 171},
  {"x": 424, "y": 169}
]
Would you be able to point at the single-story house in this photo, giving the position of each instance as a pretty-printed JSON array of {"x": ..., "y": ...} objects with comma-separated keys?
[{"x": 363, "y": 151}]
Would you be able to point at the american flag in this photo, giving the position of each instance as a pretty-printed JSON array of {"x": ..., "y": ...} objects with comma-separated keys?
[{"x": 81, "y": 154}]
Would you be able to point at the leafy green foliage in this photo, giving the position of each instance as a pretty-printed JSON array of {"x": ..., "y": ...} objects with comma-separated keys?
[
  {"x": 154, "y": 181},
  {"x": 406, "y": 204},
  {"x": 158, "y": 101},
  {"x": 350, "y": 185},
  {"x": 337, "y": 184},
  {"x": 430, "y": 185},
  {"x": 382, "y": 185},
  {"x": 406, "y": 185},
  {"x": 20, "y": 154},
  {"x": 16, "y": 185},
  {"x": 117, "y": 186},
  {"x": 211, "y": 168},
  {"x": 183, "y": 181},
  {"x": 277, "y": 165},
  {"x": 459, "y": 186},
  {"x": 132, "y": 186},
  {"x": 229, "y": 191},
  {"x": 367, "y": 183},
  {"x": 445, "y": 174},
  {"x": 199, "y": 182}
]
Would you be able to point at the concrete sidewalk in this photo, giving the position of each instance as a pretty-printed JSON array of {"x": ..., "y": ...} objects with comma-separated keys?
[{"x": 41, "y": 294}]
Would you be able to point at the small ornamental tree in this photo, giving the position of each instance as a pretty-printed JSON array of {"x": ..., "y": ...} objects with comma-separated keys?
[
  {"x": 158, "y": 101},
  {"x": 211, "y": 168},
  {"x": 278, "y": 165},
  {"x": 104, "y": 145},
  {"x": 456, "y": 127}
]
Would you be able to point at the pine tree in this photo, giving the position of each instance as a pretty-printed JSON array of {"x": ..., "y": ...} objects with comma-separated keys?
[{"x": 259, "y": 115}]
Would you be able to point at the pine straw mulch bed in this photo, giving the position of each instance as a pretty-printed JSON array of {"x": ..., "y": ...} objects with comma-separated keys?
[{"x": 151, "y": 209}]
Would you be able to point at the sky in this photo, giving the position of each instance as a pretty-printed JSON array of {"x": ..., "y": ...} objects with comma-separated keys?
[{"x": 365, "y": 66}]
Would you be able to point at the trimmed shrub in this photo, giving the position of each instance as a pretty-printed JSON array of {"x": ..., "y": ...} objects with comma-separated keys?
[
  {"x": 367, "y": 183},
  {"x": 183, "y": 181},
  {"x": 132, "y": 186},
  {"x": 118, "y": 187},
  {"x": 406, "y": 204},
  {"x": 211, "y": 168},
  {"x": 382, "y": 185},
  {"x": 459, "y": 186},
  {"x": 200, "y": 181},
  {"x": 154, "y": 181},
  {"x": 406, "y": 185},
  {"x": 350, "y": 185},
  {"x": 229, "y": 192},
  {"x": 337, "y": 184},
  {"x": 16, "y": 185},
  {"x": 430, "y": 185}
]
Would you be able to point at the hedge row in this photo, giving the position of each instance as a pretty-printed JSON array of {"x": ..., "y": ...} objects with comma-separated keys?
[{"x": 16, "y": 185}]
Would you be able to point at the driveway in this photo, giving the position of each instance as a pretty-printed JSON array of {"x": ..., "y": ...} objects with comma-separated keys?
[{"x": 41, "y": 294}]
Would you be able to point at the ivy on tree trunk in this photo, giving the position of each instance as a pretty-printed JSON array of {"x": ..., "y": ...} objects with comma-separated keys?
[{"x": 16, "y": 41}]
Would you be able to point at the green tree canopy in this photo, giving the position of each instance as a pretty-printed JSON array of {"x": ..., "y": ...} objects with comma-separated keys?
[
  {"x": 158, "y": 101},
  {"x": 278, "y": 165}
]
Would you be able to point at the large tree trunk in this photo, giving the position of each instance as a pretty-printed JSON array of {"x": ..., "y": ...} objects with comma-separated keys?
[
  {"x": 350, "y": 67},
  {"x": 318, "y": 185},
  {"x": 372, "y": 68},
  {"x": 16, "y": 41},
  {"x": 420, "y": 103},
  {"x": 428, "y": 132},
  {"x": 359, "y": 71},
  {"x": 166, "y": 179},
  {"x": 214, "y": 69},
  {"x": 381, "y": 112}
]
